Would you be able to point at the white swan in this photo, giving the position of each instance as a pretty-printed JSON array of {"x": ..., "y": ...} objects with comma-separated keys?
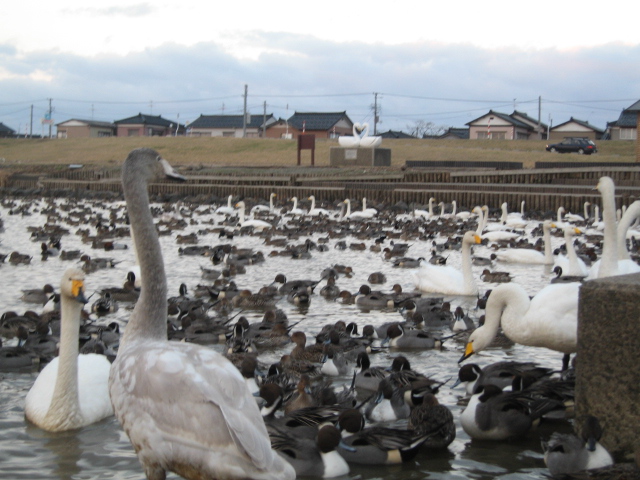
[
  {"x": 630, "y": 215},
  {"x": 185, "y": 408},
  {"x": 529, "y": 255},
  {"x": 609, "y": 265},
  {"x": 226, "y": 209},
  {"x": 315, "y": 212},
  {"x": 571, "y": 264},
  {"x": 449, "y": 280},
  {"x": 263, "y": 208},
  {"x": 548, "y": 320},
  {"x": 360, "y": 138},
  {"x": 72, "y": 390},
  {"x": 513, "y": 219},
  {"x": 464, "y": 216},
  {"x": 251, "y": 222},
  {"x": 425, "y": 213},
  {"x": 295, "y": 210},
  {"x": 365, "y": 213}
]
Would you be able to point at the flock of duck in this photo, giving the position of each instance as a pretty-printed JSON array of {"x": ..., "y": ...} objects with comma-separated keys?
[{"x": 194, "y": 383}]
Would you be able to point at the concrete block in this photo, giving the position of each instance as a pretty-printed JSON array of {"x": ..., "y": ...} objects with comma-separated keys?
[
  {"x": 365, "y": 157},
  {"x": 608, "y": 360}
]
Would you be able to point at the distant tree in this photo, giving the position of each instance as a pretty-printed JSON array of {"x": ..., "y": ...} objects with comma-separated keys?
[{"x": 421, "y": 129}]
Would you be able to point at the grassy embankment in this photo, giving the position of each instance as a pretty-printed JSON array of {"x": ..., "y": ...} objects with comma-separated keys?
[{"x": 25, "y": 154}]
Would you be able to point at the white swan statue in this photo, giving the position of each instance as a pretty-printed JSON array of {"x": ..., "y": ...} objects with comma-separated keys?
[
  {"x": 360, "y": 139},
  {"x": 185, "y": 408},
  {"x": 72, "y": 390},
  {"x": 548, "y": 320},
  {"x": 446, "y": 279}
]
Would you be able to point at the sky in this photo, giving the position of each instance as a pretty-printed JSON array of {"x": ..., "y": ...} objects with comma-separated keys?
[{"x": 443, "y": 63}]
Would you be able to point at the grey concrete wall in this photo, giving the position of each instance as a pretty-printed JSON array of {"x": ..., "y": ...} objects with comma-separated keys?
[
  {"x": 369, "y": 157},
  {"x": 608, "y": 360}
]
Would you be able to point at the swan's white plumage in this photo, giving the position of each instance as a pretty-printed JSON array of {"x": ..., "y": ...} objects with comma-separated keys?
[
  {"x": 185, "y": 407},
  {"x": 548, "y": 320},
  {"x": 529, "y": 255},
  {"x": 446, "y": 279},
  {"x": 314, "y": 212},
  {"x": 571, "y": 264},
  {"x": 72, "y": 390},
  {"x": 250, "y": 222},
  {"x": 226, "y": 209}
]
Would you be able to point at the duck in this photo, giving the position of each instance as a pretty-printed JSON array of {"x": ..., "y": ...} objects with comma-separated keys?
[
  {"x": 446, "y": 279},
  {"x": 189, "y": 440},
  {"x": 492, "y": 414},
  {"x": 71, "y": 392},
  {"x": 495, "y": 277},
  {"x": 37, "y": 295},
  {"x": 431, "y": 419},
  {"x": 549, "y": 319},
  {"x": 387, "y": 404},
  {"x": 501, "y": 374},
  {"x": 399, "y": 337},
  {"x": 312, "y": 457},
  {"x": 376, "y": 444},
  {"x": 368, "y": 377},
  {"x": 569, "y": 453}
]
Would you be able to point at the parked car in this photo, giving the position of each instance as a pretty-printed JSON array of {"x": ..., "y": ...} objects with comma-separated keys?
[{"x": 580, "y": 145}]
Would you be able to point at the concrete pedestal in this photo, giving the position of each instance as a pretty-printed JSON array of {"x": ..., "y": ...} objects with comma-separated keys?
[
  {"x": 608, "y": 360},
  {"x": 365, "y": 157}
]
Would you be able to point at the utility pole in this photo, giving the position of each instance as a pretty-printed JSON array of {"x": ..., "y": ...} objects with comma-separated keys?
[
  {"x": 539, "y": 117},
  {"x": 50, "y": 119},
  {"x": 375, "y": 113},
  {"x": 244, "y": 116},
  {"x": 264, "y": 120}
]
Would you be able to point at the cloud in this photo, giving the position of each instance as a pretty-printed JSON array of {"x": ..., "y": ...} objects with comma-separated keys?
[
  {"x": 447, "y": 84},
  {"x": 136, "y": 10}
]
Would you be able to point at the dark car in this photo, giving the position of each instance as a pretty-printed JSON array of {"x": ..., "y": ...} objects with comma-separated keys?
[{"x": 579, "y": 145}]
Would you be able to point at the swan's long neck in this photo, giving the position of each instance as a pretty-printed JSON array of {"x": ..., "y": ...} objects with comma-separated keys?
[
  {"x": 574, "y": 268},
  {"x": 548, "y": 252},
  {"x": 241, "y": 215},
  {"x": 348, "y": 202},
  {"x": 508, "y": 308},
  {"x": 586, "y": 211},
  {"x": 271, "y": 202},
  {"x": 630, "y": 215},
  {"x": 609, "y": 259},
  {"x": 229, "y": 201},
  {"x": 467, "y": 272},
  {"x": 522, "y": 208},
  {"x": 454, "y": 205},
  {"x": 65, "y": 404},
  {"x": 503, "y": 218},
  {"x": 431, "y": 207},
  {"x": 149, "y": 317}
]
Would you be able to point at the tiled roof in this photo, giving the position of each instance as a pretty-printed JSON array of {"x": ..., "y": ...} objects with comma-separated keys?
[
  {"x": 635, "y": 107},
  {"x": 91, "y": 123},
  {"x": 626, "y": 119},
  {"x": 229, "y": 121},
  {"x": 316, "y": 120},
  {"x": 146, "y": 120},
  {"x": 527, "y": 117},
  {"x": 395, "y": 134},
  {"x": 506, "y": 118},
  {"x": 580, "y": 122},
  {"x": 462, "y": 133},
  {"x": 5, "y": 129}
]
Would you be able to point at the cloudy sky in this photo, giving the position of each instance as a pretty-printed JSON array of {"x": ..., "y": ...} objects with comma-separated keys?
[{"x": 440, "y": 62}]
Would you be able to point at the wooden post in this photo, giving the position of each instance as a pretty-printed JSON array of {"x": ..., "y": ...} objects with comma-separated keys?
[{"x": 307, "y": 142}]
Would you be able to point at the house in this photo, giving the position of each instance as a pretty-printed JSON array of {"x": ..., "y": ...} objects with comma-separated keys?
[
  {"x": 78, "y": 128},
  {"x": 395, "y": 134},
  {"x": 455, "y": 134},
  {"x": 539, "y": 128},
  {"x": 6, "y": 132},
  {"x": 575, "y": 128},
  {"x": 626, "y": 127},
  {"x": 500, "y": 126},
  {"x": 148, "y": 126},
  {"x": 229, "y": 126},
  {"x": 321, "y": 124}
]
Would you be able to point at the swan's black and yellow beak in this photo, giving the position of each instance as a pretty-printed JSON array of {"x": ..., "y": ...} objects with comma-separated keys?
[
  {"x": 468, "y": 351},
  {"x": 77, "y": 290}
]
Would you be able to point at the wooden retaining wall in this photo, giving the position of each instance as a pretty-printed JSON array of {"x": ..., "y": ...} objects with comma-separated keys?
[{"x": 542, "y": 189}]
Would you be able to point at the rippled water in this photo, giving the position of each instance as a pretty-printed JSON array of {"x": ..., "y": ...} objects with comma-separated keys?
[{"x": 103, "y": 451}]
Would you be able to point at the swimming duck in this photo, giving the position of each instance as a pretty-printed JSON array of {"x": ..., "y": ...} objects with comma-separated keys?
[
  {"x": 399, "y": 337},
  {"x": 430, "y": 419},
  {"x": 568, "y": 453},
  {"x": 146, "y": 361}
]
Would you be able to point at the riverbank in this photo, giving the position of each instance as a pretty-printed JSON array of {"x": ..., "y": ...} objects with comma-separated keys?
[{"x": 230, "y": 153}]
